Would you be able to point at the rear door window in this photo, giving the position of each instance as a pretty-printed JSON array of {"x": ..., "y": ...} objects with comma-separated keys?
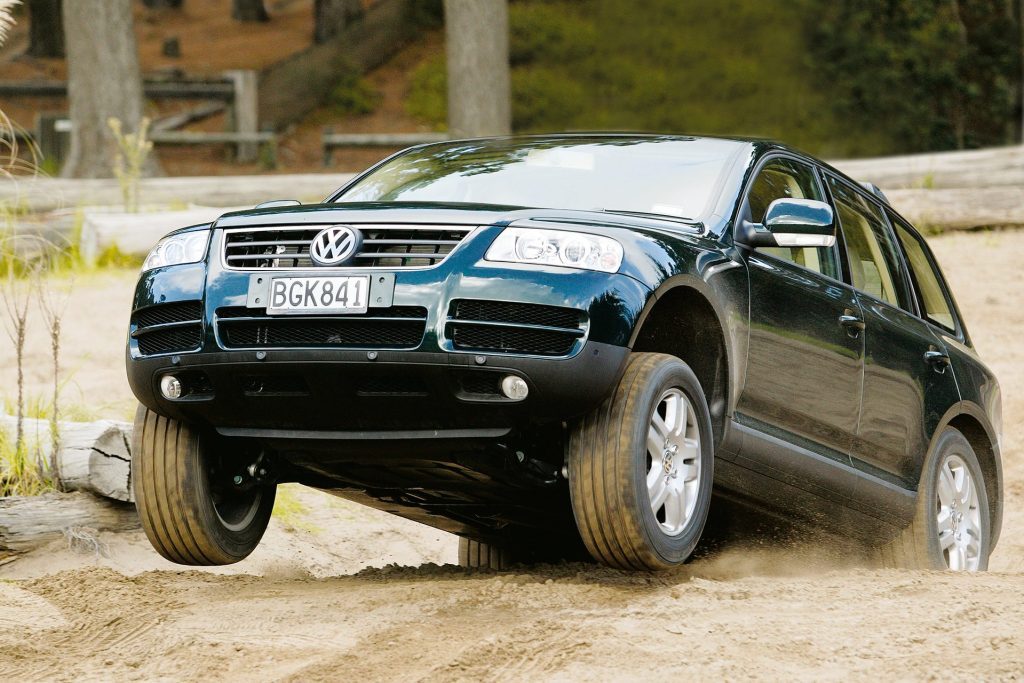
[
  {"x": 930, "y": 292},
  {"x": 872, "y": 254}
]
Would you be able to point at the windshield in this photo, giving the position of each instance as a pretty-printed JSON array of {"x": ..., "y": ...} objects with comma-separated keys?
[{"x": 670, "y": 176}]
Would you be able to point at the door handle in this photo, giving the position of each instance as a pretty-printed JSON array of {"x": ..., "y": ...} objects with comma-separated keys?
[
  {"x": 853, "y": 324},
  {"x": 937, "y": 359}
]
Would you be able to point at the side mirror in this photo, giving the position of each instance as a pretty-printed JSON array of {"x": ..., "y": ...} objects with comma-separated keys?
[
  {"x": 791, "y": 223},
  {"x": 278, "y": 202}
]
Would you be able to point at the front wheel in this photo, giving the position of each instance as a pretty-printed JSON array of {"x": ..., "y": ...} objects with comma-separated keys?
[
  {"x": 641, "y": 467},
  {"x": 198, "y": 503}
]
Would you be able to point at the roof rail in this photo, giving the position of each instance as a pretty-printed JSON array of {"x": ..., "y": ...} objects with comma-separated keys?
[{"x": 874, "y": 189}]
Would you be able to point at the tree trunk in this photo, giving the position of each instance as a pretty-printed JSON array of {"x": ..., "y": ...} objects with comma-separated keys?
[
  {"x": 104, "y": 81},
  {"x": 249, "y": 10},
  {"x": 331, "y": 16},
  {"x": 45, "y": 28},
  {"x": 479, "y": 90}
]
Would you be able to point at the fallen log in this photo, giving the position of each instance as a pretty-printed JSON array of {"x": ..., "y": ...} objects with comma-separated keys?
[
  {"x": 30, "y": 521},
  {"x": 997, "y": 166},
  {"x": 961, "y": 208},
  {"x": 93, "y": 456},
  {"x": 40, "y": 194}
]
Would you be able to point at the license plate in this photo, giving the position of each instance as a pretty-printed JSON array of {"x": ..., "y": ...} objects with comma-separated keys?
[{"x": 294, "y": 295}]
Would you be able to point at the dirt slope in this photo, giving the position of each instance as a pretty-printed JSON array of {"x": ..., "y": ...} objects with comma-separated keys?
[{"x": 301, "y": 609}]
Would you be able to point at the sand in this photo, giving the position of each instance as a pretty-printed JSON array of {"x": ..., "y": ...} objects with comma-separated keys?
[{"x": 339, "y": 592}]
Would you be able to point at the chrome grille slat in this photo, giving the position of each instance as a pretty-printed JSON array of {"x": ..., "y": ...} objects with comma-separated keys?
[{"x": 384, "y": 246}]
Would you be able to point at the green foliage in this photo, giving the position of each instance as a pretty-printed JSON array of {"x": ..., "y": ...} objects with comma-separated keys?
[
  {"x": 937, "y": 74},
  {"x": 427, "y": 14},
  {"x": 838, "y": 79},
  {"x": 113, "y": 257},
  {"x": 22, "y": 471},
  {"x": 132, "y": 151},
  {"x": 427, "y": 99},
  {"x": 353, "y": 95},
  {"x": 290, "y": 511}
]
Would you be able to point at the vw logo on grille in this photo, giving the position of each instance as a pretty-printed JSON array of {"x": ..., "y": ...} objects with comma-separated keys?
[{"x": 334, "y": 245}]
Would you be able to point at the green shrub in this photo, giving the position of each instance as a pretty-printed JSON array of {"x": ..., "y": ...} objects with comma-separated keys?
[
  {"x": 353, "y": 95},
  {"x": 427, "y": 99}
]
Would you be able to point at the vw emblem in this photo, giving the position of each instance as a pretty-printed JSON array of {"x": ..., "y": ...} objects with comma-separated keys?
[{"x": 334, "y": 245}]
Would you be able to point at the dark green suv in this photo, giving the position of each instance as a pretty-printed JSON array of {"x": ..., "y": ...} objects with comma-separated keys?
[{"x": 561, "y": 344}]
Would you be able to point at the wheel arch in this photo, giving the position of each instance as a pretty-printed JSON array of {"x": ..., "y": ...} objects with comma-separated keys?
[{"x": 702, "y": 343}]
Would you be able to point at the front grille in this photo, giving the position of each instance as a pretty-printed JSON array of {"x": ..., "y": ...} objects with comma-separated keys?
[
  {"x": 510, "y": 312},
  {"x": 397, "y": 327},
  {"x": 168, "y": 328},
  {"x": 384, "y": 246},
  {"x": 509, "y": 327},
  {"x": 510, "y": 340},
  {"x": 161, "y": 314},
  {"x": 173, "y": 340}
]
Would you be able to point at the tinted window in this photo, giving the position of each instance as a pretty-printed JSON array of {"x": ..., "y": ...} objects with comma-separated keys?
[
  {"x": 670, "y": 176},
  {"x": 930, "y": 294},
  {"x": 874, "y": 261},
  {"x": 782, "y": 178}
]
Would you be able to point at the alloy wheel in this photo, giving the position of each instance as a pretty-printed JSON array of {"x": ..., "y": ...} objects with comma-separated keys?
[
  {"x": 958, "y": 516},
  {"x": 673, "y": 461}
]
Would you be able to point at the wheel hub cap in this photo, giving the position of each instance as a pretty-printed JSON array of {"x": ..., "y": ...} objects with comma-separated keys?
[
  {"x": 958, "y": 516},
  {"x": 673, "y": 462}
]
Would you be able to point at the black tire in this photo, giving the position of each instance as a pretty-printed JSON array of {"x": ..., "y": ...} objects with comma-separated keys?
[
  {"x": 919, "y": 546},
  {"x": 608, "y": 463},
  {"x": 478, "y": 555},
  {"x": 175, "y": 497}
]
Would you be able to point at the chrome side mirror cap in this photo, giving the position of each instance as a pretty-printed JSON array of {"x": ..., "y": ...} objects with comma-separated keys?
[
  {"x": 791, "y": 223},
  {"x": 278, "y": 202}
]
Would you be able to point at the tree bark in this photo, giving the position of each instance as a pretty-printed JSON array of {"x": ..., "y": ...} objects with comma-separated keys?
[
  {"x": 45, "y": 29},
  {"x": 479, "y": 87},
  {"x": 104, "y": 81},
  {"x": 331, "y": 16},
  {"x": 249, "y": 10}
]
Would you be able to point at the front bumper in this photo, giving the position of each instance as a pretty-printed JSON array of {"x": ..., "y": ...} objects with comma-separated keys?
[{"x": 371, "y": 391}]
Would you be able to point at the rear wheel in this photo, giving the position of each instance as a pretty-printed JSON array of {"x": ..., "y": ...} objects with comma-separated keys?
[
  {"x": 641, "y": 467},
  {"x": 951, "y": 527},
  {"x": 197, "y": 502}
]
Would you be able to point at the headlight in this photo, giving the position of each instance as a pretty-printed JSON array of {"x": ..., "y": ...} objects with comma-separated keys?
[
  {"x": 556, "y": 248},
  {"x": 188, "y": 247}
]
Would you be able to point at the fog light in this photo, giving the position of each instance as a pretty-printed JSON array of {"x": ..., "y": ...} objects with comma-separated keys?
[
  {"x": 170, "y": 387},
  {"x": 514, "y": 388}
]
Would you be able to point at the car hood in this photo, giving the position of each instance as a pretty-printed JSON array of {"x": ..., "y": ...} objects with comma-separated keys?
[{"x": 441, "y": 214}]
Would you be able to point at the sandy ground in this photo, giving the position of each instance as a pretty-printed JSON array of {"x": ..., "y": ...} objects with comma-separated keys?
[{"x": 341, "y": 592}]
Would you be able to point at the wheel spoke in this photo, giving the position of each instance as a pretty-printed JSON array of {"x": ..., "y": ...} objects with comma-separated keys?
[
  {"x": 655, "y": 445},
  {"x": 957, "y": 559},
  {"x": 945, "y": 524},
  {"x": 658, "y": 491},
  {"x": 973, "y": 547},
  {"x": 658, "y": 423},
  {"x": 963, "y": 486},
  {"x": 947, "y": 490},
  {"x": 678, "y": 415},
  {"x": 675, "y": 508}
]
